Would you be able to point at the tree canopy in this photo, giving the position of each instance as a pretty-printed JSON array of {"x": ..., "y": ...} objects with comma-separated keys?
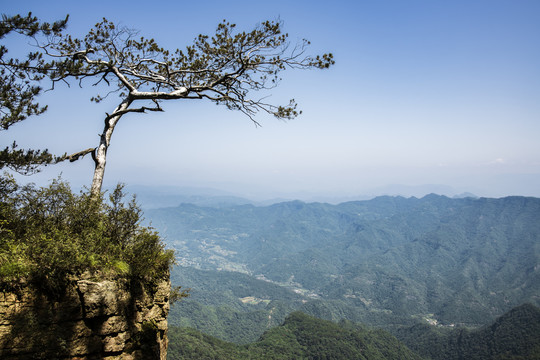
[
  {"x": 226, "y": 68},
  {"x": 19, "y": 87}
]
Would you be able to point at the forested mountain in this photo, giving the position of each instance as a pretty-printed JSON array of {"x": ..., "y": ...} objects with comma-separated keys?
[
  {"x": 299, "y": 337},
  {"x": 515, "y": 335},
  {"x": 231, "y": 306},
  {"x": 385, "y": 261},
  {"x": 512, "y": 336}
]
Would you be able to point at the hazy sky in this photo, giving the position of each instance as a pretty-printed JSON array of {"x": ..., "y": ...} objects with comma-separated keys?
[{"x": 423, "y": 92}]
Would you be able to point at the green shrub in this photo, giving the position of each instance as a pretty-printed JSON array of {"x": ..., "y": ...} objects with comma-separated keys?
[{"x": 49, "y": 234}]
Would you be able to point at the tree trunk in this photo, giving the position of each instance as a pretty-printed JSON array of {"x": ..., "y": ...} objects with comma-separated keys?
[{"x": 100, "y": 153}]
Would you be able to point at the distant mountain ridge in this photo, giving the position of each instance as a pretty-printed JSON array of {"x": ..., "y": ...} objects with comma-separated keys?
[
  {"x": 154, "y": 197},
  {"x": 383, "y": 261}
]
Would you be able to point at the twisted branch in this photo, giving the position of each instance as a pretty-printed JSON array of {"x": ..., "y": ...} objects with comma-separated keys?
[{"x": 75, "y": 156}]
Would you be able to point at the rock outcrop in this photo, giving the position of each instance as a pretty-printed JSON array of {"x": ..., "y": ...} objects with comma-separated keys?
[{"x": 96, "y": 318}]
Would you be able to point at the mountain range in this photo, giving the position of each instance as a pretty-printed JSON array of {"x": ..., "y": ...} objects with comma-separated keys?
[
  {"x": 154, "y": 197},
  {"x": 387, "y": 262}
]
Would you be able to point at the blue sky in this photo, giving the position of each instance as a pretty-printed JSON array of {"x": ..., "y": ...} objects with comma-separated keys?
[{"x": 423, "y": 92}]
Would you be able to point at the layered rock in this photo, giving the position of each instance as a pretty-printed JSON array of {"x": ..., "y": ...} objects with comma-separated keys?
[{"x": 95, "y": 318}]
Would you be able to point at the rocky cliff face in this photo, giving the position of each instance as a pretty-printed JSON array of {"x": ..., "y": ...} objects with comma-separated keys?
[{"x": 94, "y": 319}]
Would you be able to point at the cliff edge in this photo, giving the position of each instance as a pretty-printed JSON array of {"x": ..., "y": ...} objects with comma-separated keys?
[{"x": 95, "y": 318}]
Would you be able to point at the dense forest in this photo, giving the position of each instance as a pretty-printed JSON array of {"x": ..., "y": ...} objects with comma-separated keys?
[
  {"x": 515, "y": 335},
  {"x": 512, "y": 336},
  {"x": 299, "y": 337}
]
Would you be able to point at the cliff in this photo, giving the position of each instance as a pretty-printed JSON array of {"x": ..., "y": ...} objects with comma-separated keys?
[{"x": 95, "y": 318}]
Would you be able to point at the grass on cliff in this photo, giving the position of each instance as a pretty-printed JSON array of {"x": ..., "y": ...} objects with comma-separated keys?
[{"x": 49, "y": 234}]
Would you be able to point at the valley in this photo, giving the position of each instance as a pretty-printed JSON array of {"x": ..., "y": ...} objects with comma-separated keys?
[{"x": 389, "y": 262}]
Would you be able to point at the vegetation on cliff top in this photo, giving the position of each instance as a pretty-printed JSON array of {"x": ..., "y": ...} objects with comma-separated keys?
[{"x": 49, "y": 234}]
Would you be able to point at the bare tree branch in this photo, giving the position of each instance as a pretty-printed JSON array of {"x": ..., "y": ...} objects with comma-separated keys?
[
  {"x": 142, "y": 109},
  {"x": 75, "y": 156}
]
